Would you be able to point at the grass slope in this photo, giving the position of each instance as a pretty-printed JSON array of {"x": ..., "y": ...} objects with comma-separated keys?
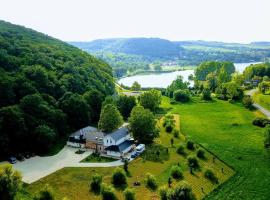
[
  {"x": 226, "y": 130},
  {"x": 262, "y": 99}
]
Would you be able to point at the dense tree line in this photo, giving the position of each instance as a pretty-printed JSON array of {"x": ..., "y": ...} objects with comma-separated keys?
[{"x": 48, "y": 89}]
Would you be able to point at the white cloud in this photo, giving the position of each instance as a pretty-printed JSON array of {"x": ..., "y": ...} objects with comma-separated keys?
[{"x": 223, "y": 20}]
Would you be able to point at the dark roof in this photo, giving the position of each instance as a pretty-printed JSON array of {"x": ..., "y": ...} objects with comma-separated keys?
[
  {"x": 121, "y": 147},
  {"x": 119, "y": 133},
  {"x": 94, "y": 136}
]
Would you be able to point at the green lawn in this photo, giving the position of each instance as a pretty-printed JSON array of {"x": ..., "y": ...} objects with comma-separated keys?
[
  {"x": 226, "y": 130},
  {"x": 262, "y": 99},
  {"x": 74, "y": 182}
]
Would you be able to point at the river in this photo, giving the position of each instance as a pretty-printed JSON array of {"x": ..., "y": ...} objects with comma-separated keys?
[{"x": 162, "y": 80}]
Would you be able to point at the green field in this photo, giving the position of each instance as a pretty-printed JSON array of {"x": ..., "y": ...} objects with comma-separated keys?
[
  {"x": 226, "y": 130},
  {"x": 262, "y": 99}
]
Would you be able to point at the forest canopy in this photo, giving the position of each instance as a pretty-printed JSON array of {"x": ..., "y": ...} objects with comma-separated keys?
[{"x": 46, "y": 87}]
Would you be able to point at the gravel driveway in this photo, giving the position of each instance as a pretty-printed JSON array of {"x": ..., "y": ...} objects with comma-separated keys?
[{"x": 37, "y": 167}]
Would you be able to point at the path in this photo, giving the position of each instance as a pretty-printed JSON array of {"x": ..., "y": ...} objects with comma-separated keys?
[
  {"x": 35, "y": 168},
  {"x": 259, "y": 107}
]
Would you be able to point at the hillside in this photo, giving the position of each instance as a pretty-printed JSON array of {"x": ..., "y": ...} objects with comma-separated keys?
[
  {"x": 46, "y": 89},
  {"x": 154, "y": 48}
]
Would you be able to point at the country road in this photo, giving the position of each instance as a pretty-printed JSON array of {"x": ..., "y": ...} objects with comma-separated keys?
[{"x": 257, "y": 106}]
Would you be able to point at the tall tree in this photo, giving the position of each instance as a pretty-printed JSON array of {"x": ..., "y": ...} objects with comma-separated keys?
[
  {"x": 150, "y": 99},
  {"x": 77, "y": 110},
  {"x": 125, "y": 104},
  {"x": 110, "y": 118},
  {"x": 94, "y": 99},
  {"x": 143, "y": 125},
  {"x": 136, "y": 86}
]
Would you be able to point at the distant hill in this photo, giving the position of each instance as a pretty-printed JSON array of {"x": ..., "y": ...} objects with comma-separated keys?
[
  {"x": 147, "y": 47},
  {"x": 129, "y": 55}
]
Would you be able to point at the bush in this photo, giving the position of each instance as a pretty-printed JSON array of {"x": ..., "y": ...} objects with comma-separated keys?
[
  {"x": 190, "y": 145},
  {"x": 176, "y": 133},
  {"x": 45, "y": 194},
  {"x": 193, "y": 162},
  {"x": 261, "y": 122},
  {"x": 169, "y": 128},
  {"x": 181, "y": 150},
  {"x": 151, "y": 181},
  {"x": 209, "y": 174},
  {"x": 129, "y": 194},
  {"x": 108, "y": 193},
  {"x": 182, "y": 191},
  {"x": 95, "y": 185},
  {"x": 247, "y": 102},
  {"x": 267, "y": 136},
  {"x": 163, "y": 193},
  {"x": 201, "y": 154},
  {"x": 206, "y": 94},
  {"x": 176, "y": 172},
  {"x": 181, "y": 95},
  {"x": 119, "y": 177}
]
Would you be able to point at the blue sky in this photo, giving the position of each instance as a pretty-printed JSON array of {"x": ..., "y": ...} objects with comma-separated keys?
[{"x": 84, "y": 20}]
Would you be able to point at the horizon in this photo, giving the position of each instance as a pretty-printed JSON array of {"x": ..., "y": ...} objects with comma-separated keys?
[{"x": 228, "y": 21}]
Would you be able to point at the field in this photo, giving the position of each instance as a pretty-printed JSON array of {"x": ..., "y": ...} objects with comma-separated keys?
[
  {"x": 262, "y": 99},
  {"x": 74, "y": 182},
  {"x": 226, "y": 130}
]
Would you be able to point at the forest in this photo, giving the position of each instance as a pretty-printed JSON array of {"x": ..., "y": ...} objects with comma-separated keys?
[{"x": 48, "y": 89}]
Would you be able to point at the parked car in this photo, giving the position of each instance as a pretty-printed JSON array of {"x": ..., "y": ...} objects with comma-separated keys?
[
  {"x": 12, "y": 160},
  {"x": 134, "y": 154},
  {"x": 140, "y": 148}
]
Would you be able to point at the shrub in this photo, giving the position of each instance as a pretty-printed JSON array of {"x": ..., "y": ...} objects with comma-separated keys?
[
  {"x": 261, "y": 122},
  {"x": 201, "y": 154},
  {"x": 247, "y": 102},
  {"x": 176, "y": 172},
  {"x": 267, "y": 136},
  {"x": 45, "y": 194},
  {"x": 190, "y": 145},
  {"x": 182, "y": 191},
  {"x": 108, "y": 193},
  {"x": 209, "y": 174},
  {"x": 119, "y": 177},
  {"x": 193, "y": 162},
  {"x": 126, "y": 166},
  {"x": 169, "y": 128},
  {"x": 151, "y": 181},
  {"x": 176, "y": 133},
  {"x": 181, "y": 150},
  {"x": 95, "y": 185},
  {"x": 129, "y": 194},
  {"x": 181, "y": 95},
  {"x": 163, "y": 193},
  {"x": 206, "y": 94}
]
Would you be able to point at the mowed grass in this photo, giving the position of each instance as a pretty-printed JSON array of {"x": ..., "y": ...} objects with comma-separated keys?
[
  {"x": 226, "y": 129},
  {"x": 74, "y": 182},
  {"x": 262, "y": 99}
]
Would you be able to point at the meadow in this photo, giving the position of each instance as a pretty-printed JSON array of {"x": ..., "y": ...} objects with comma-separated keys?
[{"x": 226, "y": 130}]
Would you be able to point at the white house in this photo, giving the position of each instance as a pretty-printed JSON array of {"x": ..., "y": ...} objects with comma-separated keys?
[
  {"x": 115, "y": 144},
  {"x": 118, "y": 142}
]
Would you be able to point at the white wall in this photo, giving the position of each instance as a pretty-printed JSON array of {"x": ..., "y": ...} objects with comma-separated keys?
[
  {"x": 74, "y": 144},
  {"x": 113, "y": 153}
]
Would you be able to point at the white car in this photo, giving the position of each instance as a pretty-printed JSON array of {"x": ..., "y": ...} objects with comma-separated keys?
[{"x": 140, "y": 148}]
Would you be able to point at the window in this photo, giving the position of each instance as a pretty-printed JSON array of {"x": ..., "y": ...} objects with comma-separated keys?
[
  {"x": 107, "y": 141},
  {"x": 110, "y": 141}
]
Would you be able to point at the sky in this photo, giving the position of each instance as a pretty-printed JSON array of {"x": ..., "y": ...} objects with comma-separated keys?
[{"x": 84, "y": 20}]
